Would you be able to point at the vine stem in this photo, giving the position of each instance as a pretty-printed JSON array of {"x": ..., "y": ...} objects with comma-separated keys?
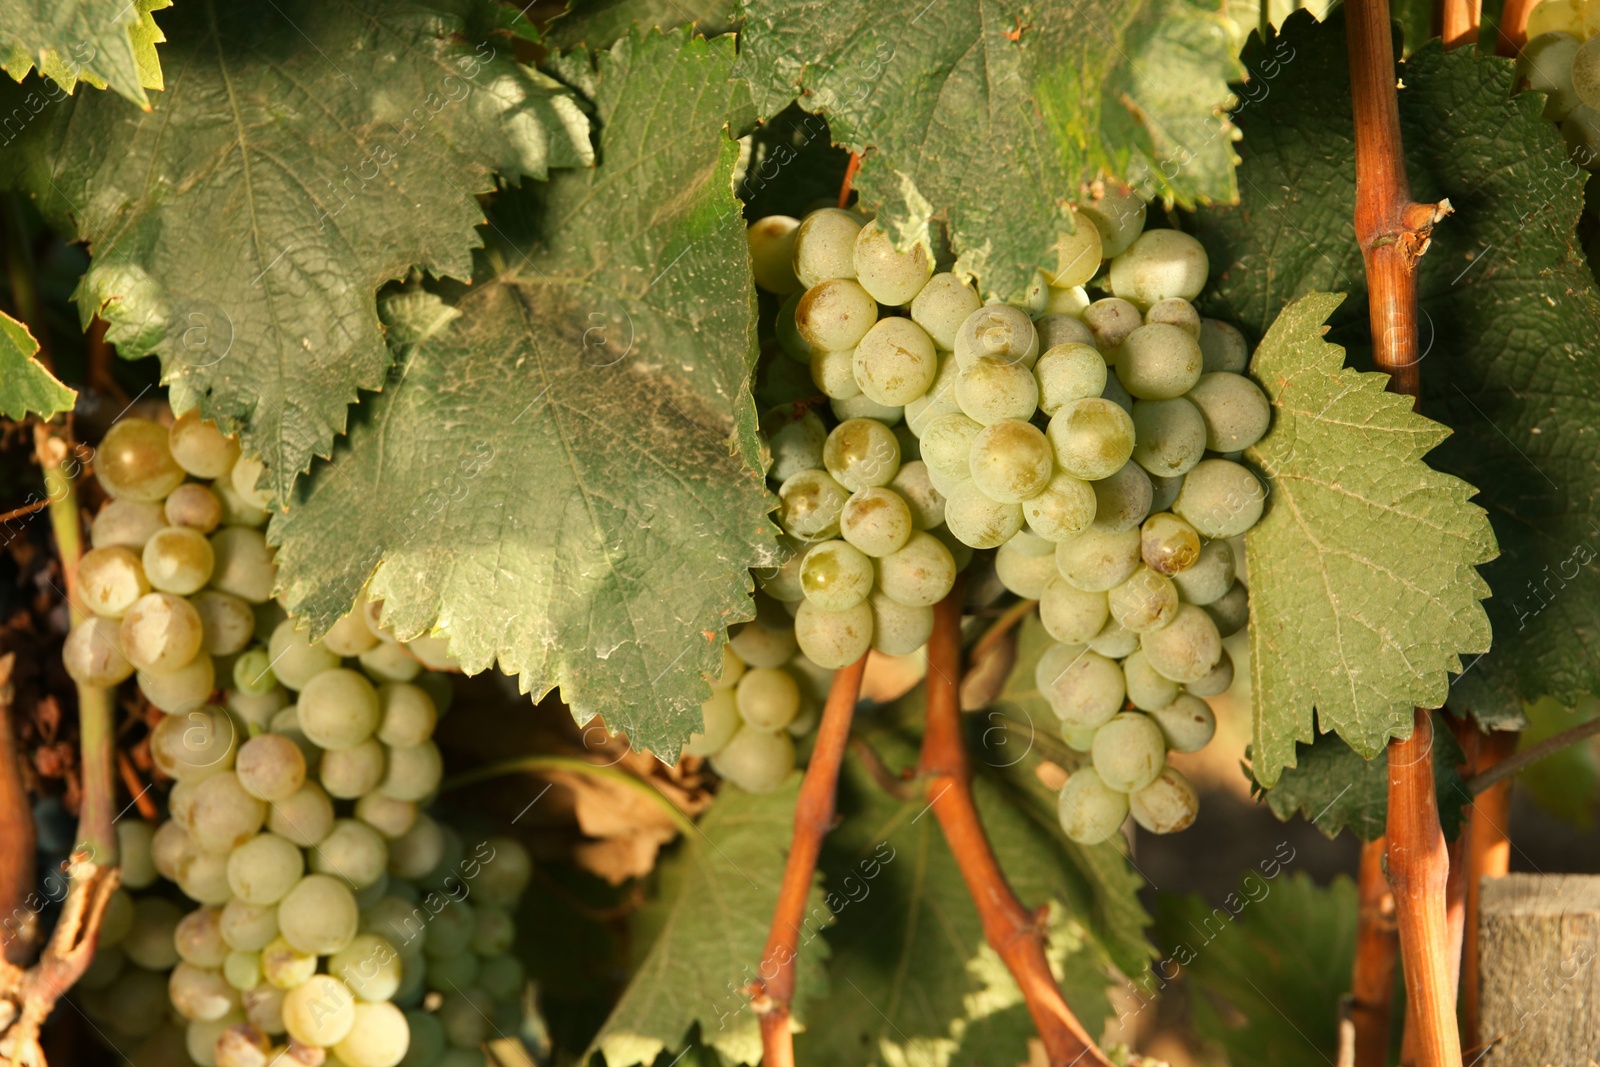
[
  {"x": 1512, "y": 765},
  {"x": 1015, "y": 933},
  {"x": 813, "y": 818},
  {"x": 1511, "y": 32},
  {"x": 1393, "y": 231},
  {"x": 1457, "y": 21},
  {"x": 1488, "y": 856},
  {"x": 1377, "y": 946},
  {"x": 849, "y": 179}
]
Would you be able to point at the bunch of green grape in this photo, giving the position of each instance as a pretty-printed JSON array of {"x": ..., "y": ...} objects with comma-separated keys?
[{"x": 1562, "y": 60}]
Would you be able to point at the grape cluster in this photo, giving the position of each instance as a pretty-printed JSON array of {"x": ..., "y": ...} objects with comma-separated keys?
[
  {"x": 1562, "y": 60},
  {"x": 296, "y": 817}
]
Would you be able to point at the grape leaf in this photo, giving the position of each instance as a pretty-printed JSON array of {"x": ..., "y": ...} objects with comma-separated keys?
[
  {"x": 601, "y": 23},
  {"x": 549, "y": 481},
  {"x": 703, "y": 936},
  {"x": 302, "y": 155},
  {"x": 1362, "y": 582},
  {"x": 1332, "y": 787},
  {"x": 1508, "y": 310},
  {"x": 98, "y": 41},
  {"x": 993, "y": 116},
  {"x": 1277, "y": 954},
  {"x": 26, "y": 386}
]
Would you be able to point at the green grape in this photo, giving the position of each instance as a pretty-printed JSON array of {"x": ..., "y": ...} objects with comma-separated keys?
[
  {"x": 877, "y": 521},
  {"x": 1175, "y": 312},
  {"x": 835, "y": 373},
  {"x": 860, "y": 453},
  {"x": 947, "y": 443},
  {"x": 1118, "y": 395},
  {"x": 1159, "y": 362},
  {"x": 835, "y": 315},
  {"x": 1119, "y": 216},
  {"x": 199, "y": 447},
  {"x": 761, "y": 645},
  {"x": 242, "y": 970},
  {"x": 1092, "y": 438},
  {"x": 825, "y": 246},
  {"x": 1064, "y": 509},
  {"x": 836, "y": 576},
  {"x": 1097, "y": 560},
  {"x": 1034, "y": 298},
  {"x": 417, "y": 851},
  {"x": 198, "y": 938},
  {"x": 834, "y": 639},
  {"x": 1217, "y": 682},
  {"x": 236, "y": 511},
  {"x": 1088, "y": 810},
  {"x": 1147, "y": 601},
  {"x": 771, "y": 242},
  {"x": 1065, "y": 302},
  {"x": 126, "y": 524},
  {"x": 1545, "y": 65},
  {"x": 1075, "y": 256},
  {"x": 200, "y": 993},
  {"x": 895, "y": 362},
  {"x": 263, "y": 869},
  {"x": 1167, "y": 544},
  {"x": 942, "y": 306},
  {"x": 999, "y": 332},
  {"x": 186, "y": 687},
  {"x": 1070, "y": 615},
  {"x": 1147, "y": 688},
  {"x": 338, "y": 708},
  {"x": 1114, "y": 641},
  {"x": 1187, "y": 648},
  {"x": 225, "y": 816},
  {"x": 891, "y": 276},
  {"x": 110, "y": 579},
  {"x": 1023, "y": 573},
  {"x": 864, "y": 407},
  {"x": 1163, "y": 491},
  {"x": 178, "y": 560},
  {"x": 783, "y": 581},
  {"x": 1187, "y": 723},
  {"x": 149, "y": 941},
  {"x": 1235, "y": 410},
  {"x": 1068, "y": 372},
  {"x": 793, "y": 345},
  {"x": 319, "y": 1011},
  {"x": 940, "y": 399},
  {"x": 767, "y": 698},
  {"x": 1231, "y": 611},
  {"x": 1084, "y": 690},
  {"x": 1123, "y": 500},
  {"x": 501, "y": 976},
  {"x": 406, "y": 714},
  {"x": 810, "y": 505},
  {"x": 387, "y": 661},
  {"x": 1210, "y": 577},
  {"x": 1222, "y": 347},
  {"x": 918, "y": 575},
  {"x": 991, "y": 390},
  {"x": 1010, "y": 461},
  {"x": 226, "y": 622},
  {"x": 1171, "y": 436},
  {"x": 977, "y": 520},
  {"x": 1059, "y": 329},
  {"x": 1220, "y": 498},
  {"x": 411, "y": 773},
  {"x": 1110, "y": 322},
  {"x": 243, "y": 564},
  {"x": 319, "y": 915},
  {"x": 248, "y": 927},
  {"x": 1129, "y": 751},
  {"x": 1586, "y": 74},
  {"x": 245, "y": 477},
  {"x": 252, "y": 673},
  {"x": 755, "y": 760},
  {"x": 794, "y": 434},
  {"x": 133, "y": 461},
  {"x": 494, "y": 933},
  {"x": 1076, "y": 739},
  {"x": 1166, "y": 805},
  {"x": 1160, "y": 264},
  {"x": 914, "y": 487},
  {"x": 193, "y": 506},
  {"x": 295, "y": 658},
  {"x": 134, "y": 837},
  {"x": 160, "y": 632},
  {"x": 898, "y": 629},
  {"x": 378, "y": 1037},
  {"x": 305, "y": 817}
]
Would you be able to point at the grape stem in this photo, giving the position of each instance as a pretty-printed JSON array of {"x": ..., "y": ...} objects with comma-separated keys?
[
  {"x": 1014, "y": 932},
  {"x": 537, "y": 764},
  {"x": 1457, "y": 21},
  {"x": 1513, "y": 765},
  {"x": 849, "y": 178},
  {"x": 773, "y": 994},
  {"x": 1511, "y": 32},
  {"x": 1488, "y": 856},
  {"x": 18, "y": 838},
  {"x": 1377, "y": 945}
]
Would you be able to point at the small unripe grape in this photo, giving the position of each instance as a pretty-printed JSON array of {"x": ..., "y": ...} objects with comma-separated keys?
[
  {"x": 876, "y": 520},
  {"x": 919, "y": 574},
  {"x": 319, "y": 1011},
  {"x": 825, "y": 246},
  {"x": 199, "y": 447},
  {"x": 1024, "y": 574},
  {"x": 771, "y": 242},
  {"x": 133, "y": 461},
  {"x": 93, "y": 653},
  {"x": 913, "y": 485},
  {"x": 891, "y": 276},
  {"x": 898, "y": 629},
  {"x": 1170, "y": 436},
  {"x": 338, "y": 708},
  {"x": 756, "y": 761},
  {"x": 833, "y": 639},
  {"x": 978, "y": 521},
  {"x": 1187, "y": 723},
  {"x": 947, "y": 443},
  {"x": 348, "y": 773},
  {"x": 1068, "y": 372},
  {"x": 242, "y": 970},
  {"x": 795, "y": 434},
  {"x": 1220, "y": 498},
  {"x": 226, "y": 622},
  {"x": 835, "y": 315},
  {"x": 991, "y": 390},
  {"x": 1110, "y": 322},
  {"x": 160, "y": 632},
  {"x": 1097, "y": 560},
  {"x": 1159, "y": 362},
  {"x": 1083, "y": 688},
  {"x": 186, "y": 687},
  {"x": 1167, "y": 544},
  {"x": 193, "y": 506},
  {"x": 109, "y": 581},
  {"x": 1118, "y": 214},
  {"x": 1123, "y": 500},
  {"x": 1166, "y": 805},
  {"x": 1147, "y": 601},
  {"x": 126, "y": 523},
  {"x": 1076, "y": 255},
  {"x": 1147, "y": 688},
  {"x": 1011, "y": 461},
  {"x": 1236, "y": 411},
  {"x": 942, "y": 306},
  {"x": 767, "y": 698},
  {"x": 1089, "y": 811},
  {"x": 1070, "y": 615},
  {"x": 1187, "y": 648},
  {"x": 836, "y": 576},
  {"x": 1160, "y": 264},
  {"x": 811, "y": 504},
  {"x": 305, "y": 817},
  {"x": 998, "y": 332},
  {"x": 1092, "y": 437},
  {"x": 861, "y": 453},
  {"x": 243, "y": 564}
]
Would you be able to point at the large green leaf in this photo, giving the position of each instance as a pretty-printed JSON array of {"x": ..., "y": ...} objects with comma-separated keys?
[
  {"x": 994, "y": 116},
  {"x": 303, "y": 154},
  {"x": 1509, "y": 314},
  {"x": 100, "y": 41},
  {"x": 26, "y": 386},
  {"x": 1265, "y": 969},
  {"x": 702, "y": 938},
  {"x": 565, "y": 476},
  {"x": 1362, "y": 582}
]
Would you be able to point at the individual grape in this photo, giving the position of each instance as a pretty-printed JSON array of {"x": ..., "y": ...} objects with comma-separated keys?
[
  {"x": 1210, "y": 577},
  {"x": 338, "y": 709},
  {"x": 242, "y": 1045},
  {"x": 947, "y": 443},
  {"x": 1070, "y": 615},
  {"x": 811, "y": 502},
  {"x": 1586, "y": 74},
  {"x": 771, "y": 241},
  {"x": 347, "y": 773},
  {"x": 506, "y": 874},
  {"x": 1163, "y": 490},
  {"x": 1170, "y": 436},
  {"x": 1175, "y": 312},
  {"x": 352, "y": 851},
  {"x": 501, "y": 977},
  {"x": 1092, "y": 437},
  {"x": 427, "y": 1048},
  {"x": 755, "y": 760},
  {"x": 918, "y": 575},
  {"x": 1217, "y": 682},
  {"x": 387, "y": 661},
  {"x": 892, "y": 277},
  {"x": 465, "y": 1016},
  {"x": 245, "y": 477},
  {"x": 110, "y": 580},
  {"x": 319, "y": 1011},
  {"x": 1061, "y": 303},
  {"x": 224, "y": 815},
  {"x": 1168, "y": 545},
  {"x": 940, "y": 399},
  {"x": 133, "y": 461},
  {"x": 252, "y": 673},
  {"x": 247, "y": 927},
  {"x": 1024, "y": 573},
  {"x": 1546, "y": 65},
  {"x": 264, "y": 868},
  {"x": 898, "y": 629},
  {"x": 389, "y": 816},
  {"x": 106, "y": 966},
  {"x": 134, "y": 840},
  {"x": 349, "y": 636},
  {"x": 170, "y": 849},
  {"x": 1235, "y": 410},
  {"x": 149, "y": 941},
  {"x": 370, "y": 966},
  {"x": 719, "y": 722},
  {"x": 1159, "y": 362},
  {"x": 767, "y": 698},
  {"x": 1110, "y": 322},
  {"x": 160, "y": 632},
  {"x": 1119, "y": 396},
  {"x": 1187, "y": 723},
  {"x": 1160, "y": 264},
  {"x": 243, "y": 564},
  {"x": 1563, "y": 16},
  {"x": 413, "y": 772},
  {"x": 876, "y": 521},
  {"x": 126, "y": 524},
  {"x": 178, "y": 559},
  {"x": 418, "y": 851},
  {"x": 977, "y": 520},
  {"x": 1075, "y": 256},
  {"x": 456, "y": 971},
  {"x": 1011, "y": 461},
  {"x": 1222, "y": 347},
  {"x": 1097, "y": 560},
  {"x": 186, "y": 687},
  {"x": 1187, "y": 648},
  {"x": 1147, "y": 601},
  {"x": 782, "y": 582},
  {"x": 236, "y": 511},
  {"x": 759, "y": 645},
  {"x": 135, "y": 1004},
  {"x": 1068, "y": 372},
  {"x": 263, "y": 1005},
  {"x": 242, "y": 970},
  {"x": 1035, "y": 297},
  {"x": 319, "y": 915},
  {"x": 916, "y": 490},
  {"x": 861, "y": 453},
  {"x": 200, "y": 993},
  {"x": 834, "y": 639},
  {"x": 1089, "y": 811},
  {"x": 379, "y": 1037},
  {"x": 285, "y": 966},
  {"x": 836, "y": 576},
  {"x": 1220, "y": 498},
  {"x": 834, "y": 316},
  {"x": 1122, "y": 501},
  {"x": 1083, "y": 688},
  {"x": 1129, "y": 751},
  {"x": 93, "y": 653},
  {"x": 942, "y": 305},
  {"x": 195, "y": 744},
  {"x": 1058, "y": 329},
  {"x": 295, "y": 658},
  {"x": 1064, "y": 509},
  {"x": 199, "y": 447},
  {"x": 895, "y": 362},
  {"x": 825, "y": 246},
  {"x": 406, "y": 714},
  {"x": 1231, "y": 611},
  {"x": 1118, "y": 214},
  {"x": 834, "y": 372},
  {"x": 304, "y": 818},
  {"x": 1166, "y": 805},
  {"x": 991, "y": 390},
  {"x": 118, "y": 919},
  {"x": 204, "y": 878},
  {"x": 226, "y": 622},
  {"x": 494, "y": 931},
  {"x": 795, "y": 435},
  {"x": 998, "y": 332}
]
